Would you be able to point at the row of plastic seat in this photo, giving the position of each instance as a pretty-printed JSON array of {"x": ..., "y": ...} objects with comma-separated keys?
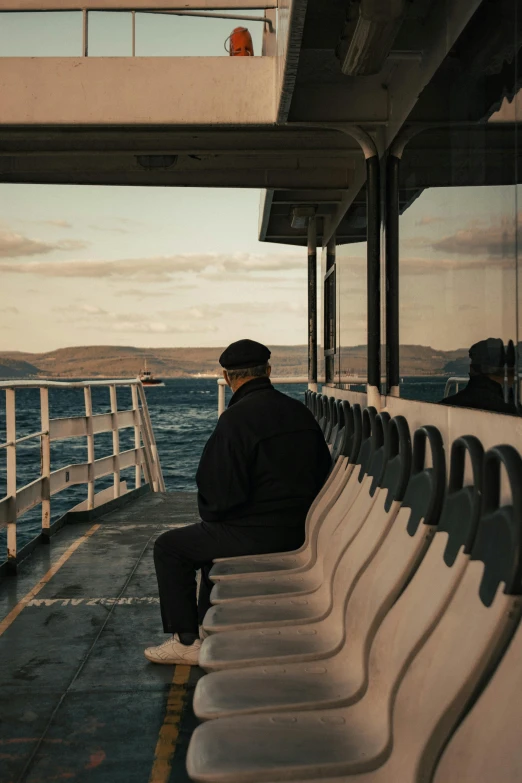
[
  {"x": 329, "y": 413},
  {"x": 388, "y": 647}
]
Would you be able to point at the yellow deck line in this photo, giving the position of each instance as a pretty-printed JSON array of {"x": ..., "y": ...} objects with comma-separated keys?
[
  {"x": 169, "y": 731},
  {"x": 13, "y": 614}
]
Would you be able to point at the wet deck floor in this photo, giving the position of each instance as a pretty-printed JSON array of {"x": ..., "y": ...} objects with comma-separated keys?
[{"x": 78, "y": 700}]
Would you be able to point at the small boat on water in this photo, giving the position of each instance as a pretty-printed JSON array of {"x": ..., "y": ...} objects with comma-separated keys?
[{"x": 148, "y": 379}]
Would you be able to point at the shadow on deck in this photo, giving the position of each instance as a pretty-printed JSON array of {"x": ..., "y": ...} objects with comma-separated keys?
[{"x": 78, "y": 700}]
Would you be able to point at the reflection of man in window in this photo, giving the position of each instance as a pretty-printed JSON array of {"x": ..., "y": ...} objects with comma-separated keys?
[{"x": 485, "y": 388}]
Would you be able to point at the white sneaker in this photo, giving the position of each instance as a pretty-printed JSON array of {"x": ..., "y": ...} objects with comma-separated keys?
[{"x": 172, "y": 651}]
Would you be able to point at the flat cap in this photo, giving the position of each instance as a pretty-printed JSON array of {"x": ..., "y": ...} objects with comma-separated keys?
[
  {"x": 488, "y": 354},
  {"x": 243, "y": 354}
]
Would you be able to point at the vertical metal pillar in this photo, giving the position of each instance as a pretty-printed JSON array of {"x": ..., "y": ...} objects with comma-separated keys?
[
  {"x": 45, "y": 450},
  {"x": 373, "y": 218},
  {"x": 312, "y": 304},
  {"x": 221, "y": 397},
  {"x": 392, "y": 276},
  {"x": 115, "y": 440},
  {"x": 133, "y": 33},
  {"x": 85, "y": 33},
  {"x": 332, "y": 314},
  {"x": 137, "y": 434},
  {"x": 90, "y": 447},
  {"x": 10, "y": 431}
]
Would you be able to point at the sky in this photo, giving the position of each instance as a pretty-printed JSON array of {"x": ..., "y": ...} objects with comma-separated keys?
[{"x": 138, "y": 266}]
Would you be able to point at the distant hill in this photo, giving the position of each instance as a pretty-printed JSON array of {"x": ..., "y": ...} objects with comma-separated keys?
[
  {"x": 106, "y": 361},
  {"x": 13, "y": 369}
]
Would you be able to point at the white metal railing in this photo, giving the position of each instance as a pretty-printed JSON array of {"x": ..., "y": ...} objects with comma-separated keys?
[
  {"x": 144, "y": 455},
  {"x": 221, "y": 384},
  {"x": 457, "y": 380},
  {"x": 268, "y": 20}
]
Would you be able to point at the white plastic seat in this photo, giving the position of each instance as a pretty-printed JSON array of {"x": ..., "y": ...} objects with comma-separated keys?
[
  {"x": 354, "y": 743},
  {"x": 342, "y": 677},
  {"x": 362, "y": 529},
  {"x": 487, "y": 745},
  {"x": 302, "y": 559}
]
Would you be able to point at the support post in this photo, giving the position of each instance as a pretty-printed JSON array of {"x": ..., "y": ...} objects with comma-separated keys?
[
  {"x": 134, "y": 33},
  {"x": 45, "y": 453},
  {"x": 221, "y": 398},
  {"x": 392, "y": 277},
  {"x": 85, "y": 33},
  {"x": 10, "y": 431},
  {"x": 312, "y": 304},
  {"x": 115, "y": 440},
  {"x": 90, "y": 447},
  {"x": 373, "y": 217},
  {"x": 137, "y": 433}
]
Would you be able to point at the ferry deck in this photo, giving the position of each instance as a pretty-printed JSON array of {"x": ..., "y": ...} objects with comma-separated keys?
[{"x": 367, "y": 124}]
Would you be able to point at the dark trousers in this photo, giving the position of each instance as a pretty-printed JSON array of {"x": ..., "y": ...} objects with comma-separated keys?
[{"x": 179, "y": 553}]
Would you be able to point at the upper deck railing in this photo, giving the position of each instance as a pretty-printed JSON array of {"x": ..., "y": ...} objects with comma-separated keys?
[{"x": 143, "y": 456}]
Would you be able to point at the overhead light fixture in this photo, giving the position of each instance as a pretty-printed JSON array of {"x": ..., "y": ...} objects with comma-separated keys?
[
  {"x": 301, "y": 216},
  {"x": 369, "y": 36}
]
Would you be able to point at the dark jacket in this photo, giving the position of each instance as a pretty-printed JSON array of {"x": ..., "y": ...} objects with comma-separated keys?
[
  {"x": 265, "y": 461},
  {"x": 483, "y": 393}
]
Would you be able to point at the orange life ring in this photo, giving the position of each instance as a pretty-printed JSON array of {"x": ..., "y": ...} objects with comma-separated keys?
[{"x": 241, "y": 43}]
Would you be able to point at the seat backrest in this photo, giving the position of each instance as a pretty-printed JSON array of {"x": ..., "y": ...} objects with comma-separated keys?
[
  {"x": 437, "y": 563},
  {"x": 370, "y": 533},
  {"x": 325, "y": 507},
  {"x": 312, "y": 399},
  {"x": 403, "y": 548},
  {"x": 360, "y": 451},
  {"x": 362, "y": 497},
  {"x": 336, "y": 434},
  {"x": 471, "y": 634},
  {"x": 331, "y": 413},
  {"x": 486, "y": 748},
  {"x": 323, "y": 412}
]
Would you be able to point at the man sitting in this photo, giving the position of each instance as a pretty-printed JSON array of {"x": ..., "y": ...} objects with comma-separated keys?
[
  {"x": 259, "y": 473},
  {"x": 485, "y": 388}
]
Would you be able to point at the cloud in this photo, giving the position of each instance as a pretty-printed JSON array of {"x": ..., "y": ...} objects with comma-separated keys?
[
  {"x": 161, "y": 269},
  {"x": 112, "y": 229},
  {"x": 143, "y": 293},
  {"x": 428, "y": 221},
  {"x": 18, "y": 246},
  {"x": 493, "y": 241},
  {"x": 429, "y": 266},
  {"x": 58, "y": 223},
  {"x": 11, "y": 310}
]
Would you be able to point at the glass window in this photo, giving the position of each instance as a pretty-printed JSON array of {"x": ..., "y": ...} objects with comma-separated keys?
[
  {"x": 458, "y": 237},
  {"x": 351, "y": 314}
]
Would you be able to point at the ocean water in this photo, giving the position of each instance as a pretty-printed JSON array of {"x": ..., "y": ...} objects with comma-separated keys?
[{"x": 183, "y": 414}]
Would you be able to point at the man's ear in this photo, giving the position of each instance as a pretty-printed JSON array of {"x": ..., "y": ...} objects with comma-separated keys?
[
  {"x": 269, "y": 370},
  {"x": 227, "y": 379}
]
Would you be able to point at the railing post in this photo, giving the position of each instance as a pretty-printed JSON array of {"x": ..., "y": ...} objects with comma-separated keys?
[
  {"x": 85, "y": 33},
  {"x": 10, "y": 427},
  {"x": 137, "y": 433},
  {"x": 90, "y": 447},
  {"x": 158, "y": 483},
  {"x": 133, "y": 33},
  {"x": 45, "y": 451},
  {"x": 115, "y": 440},
  {"x": 221, "y": 398}
]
